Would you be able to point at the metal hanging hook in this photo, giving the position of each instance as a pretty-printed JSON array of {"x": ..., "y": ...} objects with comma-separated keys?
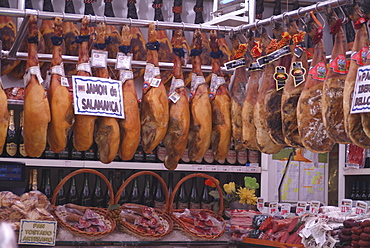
[
  {"x": 64, "y": 15},
  {"x": 183, "y": 26},
  {"x": 345, "y": 18},
  {"x": 300, "y": 17},
  {"x": 157, "y": 24},
  {"x": 322, "y": 18}
]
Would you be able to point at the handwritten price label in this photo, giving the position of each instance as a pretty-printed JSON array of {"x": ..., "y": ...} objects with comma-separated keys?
[
  {"x": 285, "y": 209},
  {"x": 273, "y": 208},
  {"x": 314, "y": 207},
  {"x": 361, "y": 208},
  {"x": 301, "y": 208},
  {"x": 346, "y": 206},
  {"x": 260, "y": 203}
]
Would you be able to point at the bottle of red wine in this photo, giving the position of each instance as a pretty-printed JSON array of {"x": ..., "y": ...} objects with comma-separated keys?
[
  {"x": 159, "y": 197},
  {"x": 47, "y": 187},
  {"x": 124, "y": 196},
  {"x": 30, "y": 175},
  {"x": 86, "y": 193},
  {"x": 207, "y": 199},
  {"x": 48, "y": 153},
  {"x": 139, "y": 155},
  {"x": 194, "y": 201},
  {"x": 41, "y": 187},
  {"x": 72, "y": 196},
  {"x": 183, "y": 199},
  {"x": 97, "y": 197},
  {"x": 107, "y": 193},
  {"x": 161, "y": 153},
  {"x": 135, "y": 193},
  {"x": 61, "y": 197},
  {"x": 146, "y": 197},
  {"x": 90, "y": 154}
]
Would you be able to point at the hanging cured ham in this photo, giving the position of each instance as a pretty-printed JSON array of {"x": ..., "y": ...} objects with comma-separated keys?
[
  {"x": 20, "y": 69},
  {"x": 8, "y": 32},
  {"x": 83, "y": 127},
  {"x": 332, "y": 97},
  {"x": 106, "y": 133},
  {"x": 137, "y": 40},
  {"x": 200, "y": 107},
  {"x": 4, "y": 118},
  {"x": 264, "y": 142},
  {"x": 130, "y": 126},
  {"x": 59, "y": 98},
  {"x": 176, "y": 138},
  {"x": 352, "y": 122},
  {"x": 70, "y": 30},
  {"x": 177, "y": 11},
  {"x": 294, "y": 85},
  {"x": 165, "y": 48},
  {"x": 154, "y": 106},
  {"x": 255, "y": 74},
  {"x": 36, "y": 105},
  {"x": 309, "y": 109},
  {"x": 220, "y": 103}
]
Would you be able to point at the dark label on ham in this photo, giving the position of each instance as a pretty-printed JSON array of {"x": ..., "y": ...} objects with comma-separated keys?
[
  {"x": 273, "y": 56},
  {"x": 280, "y": 77},
  {"x": 360, "y": 56},
  {"x": 298, "y": 73},
  {"x": 254, "y": 67},
  {"x": 339, "y": 64},
  {"x": 318, "y": 72},
  {"x": 298, "y": 51},
  {"x": 233, "y": 64}
]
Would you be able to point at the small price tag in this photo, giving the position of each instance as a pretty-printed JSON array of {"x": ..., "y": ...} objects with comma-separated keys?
[
  {"x": 273, "y": 208},
  {"x": 346, "y": 206},
  {"x": 361, "y": 208},
  {"x": 225, "y": 168},
  {"x": 285, "y": 209},
  {"x": 126, "y": 75},
  {"x": 155, "y": 82},
  {"x": 99, "y": 58},
  {"x": 123, "y": 61},
  {"x": 197, "y": 167},
  {"x": 301, "y": 208},
  {"x": 64, "y": 81},
  {"x": 33, "y": 70},
  {"x": 314, "y": 207},
  {"x": 58, "y": 69},
  {"x": 237, "y": 168},
  {"x": 36, "y": 232},
  {"x": 47, "y": 80},
  {"x": 67, "y": 163},
  {"x": 174, "y": 97},
  {"x": 260, "y": 203},
  {"x": 84, "y": 67}
]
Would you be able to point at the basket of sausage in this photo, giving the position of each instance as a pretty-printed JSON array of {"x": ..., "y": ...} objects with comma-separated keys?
[
  {"x": 145, "y": 222},
  {"x": 89, "y": 222},
  {"x": 198, "y": 223}
]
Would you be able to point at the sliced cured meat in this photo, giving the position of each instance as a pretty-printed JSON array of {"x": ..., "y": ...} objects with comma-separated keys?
[
  {"x": 176, "y": 138},
  {"x": 59, "y": 98},
  {"x": 293, "y": 86},
  {"x": 352, "y": 122},
  {"x": 106, "y": 133},
  {"x": 200, "y": 107},
  {"x": 83, "y": 127},
  {"x": 220, "y": 103},
  {"x": 309, "y": 109},
  {"x": 71, "y": 31},
  {"x": 8, "y": 32},
  {"x": 4, "y": 118},
  {"x": 154, "y": 106},
  {"x": 248, "y": 129},
  {"x": 332, "y": 97},
  {"x": 130, "y": 126},
  {"x": 264, "y": 142},
  {"x": 36, "y": 105}
]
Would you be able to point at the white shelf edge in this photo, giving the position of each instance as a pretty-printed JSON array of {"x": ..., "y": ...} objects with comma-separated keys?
[
  {"x": 357, "y": 172},
  {"x": 131, "y": 165}
]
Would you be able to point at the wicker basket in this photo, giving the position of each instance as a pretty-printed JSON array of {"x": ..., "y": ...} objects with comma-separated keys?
[
  {"x": 180, "y": 224},
  {"x": 127, "y": 227},
  {"x": 103, "y": 213}
]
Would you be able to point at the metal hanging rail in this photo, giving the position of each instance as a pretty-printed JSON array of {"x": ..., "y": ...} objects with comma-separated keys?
[{"x": 293, "y": 14}]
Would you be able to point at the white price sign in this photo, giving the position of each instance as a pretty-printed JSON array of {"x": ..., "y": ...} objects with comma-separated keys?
[
  {"x": 361, "y": 208},
  {"x": 314, "y": 207},
  {"x": 260, "y": 203},
  {"x": 99, "y": 58},
  {"x": 301, "y": 208},
  {"x": 285, "y": 209},
  {"x": 273, "y": 208},
  {"x": 98, "y": 97},
  {"x": 361, "y": 93},
  {"x": 346, "y": 206},
  {"x": 36, "y": 232}
]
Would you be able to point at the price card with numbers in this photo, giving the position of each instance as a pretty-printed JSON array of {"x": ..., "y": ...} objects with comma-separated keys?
[
  {"x": 285, "y": 209},
  {"x": 237, "y": 168},
  {"x": 346, "y": 206},
  {"x": 225, "y": 168},
  {"x": 314, "y": 207},
  {"x": 123, "y": 61},
  {"x": 155, "y": 82},
  {"x": 301, "y": 208},
  {"x": 273, "y": 208},
  {"x": 196, "y": 167},
  {"x": 361, "y": 208},
  {"x": 260, "y": 203},
  {"x": 99, "y": 58}
]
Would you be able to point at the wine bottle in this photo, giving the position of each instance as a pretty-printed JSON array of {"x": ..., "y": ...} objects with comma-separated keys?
[
  {"x": 150, "y": 157},
  {"x": 183, "y": 199},
  {"x": 161, "y": 152},
  {"x": 90, "y": 154},
  {"x": 170, "y": 183},
  {"x": 231, "y": 156},
  {"x": 72, "y": 196},
  {"x": 61, "y": 196},
  {"x": 207, "y": 199},
  {"x": 48, "y": 153},
  {"x": 146, "y": 197},
  {"x": 11, "y": 139},
  {"x": 34, "y": 179},
  {"x": 47, "y": 188},
  {"x": 41, "y": 187},
  {"x": 97, "y": 197},
  {"x": 368, "y": 191},
  {"x": 135, "y": 193},
  {"x": 124, "y": 196},
  {"x": 194, "y": 201},
  {"x": 159, "y": 197},
  {"x": 107, "y": 192},
  {"x": 30, "y": 175},
  {"x": 363, "y": 191},
  {"x": 358, "y": 191},
  {"x": 242, "y": 157},
  {"x": 86, "y": 193},
  {"x": 139, "y": 155},
  {"x": 353, "y": 192},
  {"x": 21, "y": 148}
]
